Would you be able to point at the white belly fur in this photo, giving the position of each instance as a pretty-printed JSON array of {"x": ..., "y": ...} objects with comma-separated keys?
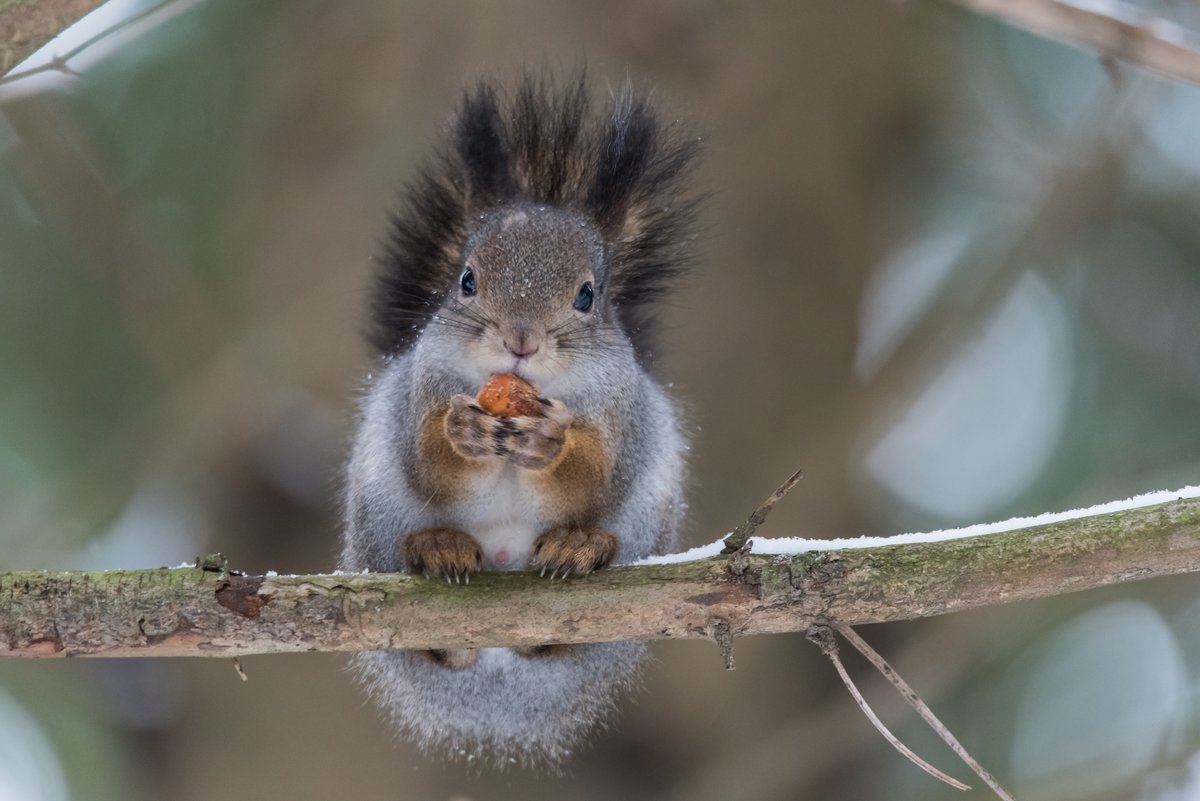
[{"x": 505, "y": 518}]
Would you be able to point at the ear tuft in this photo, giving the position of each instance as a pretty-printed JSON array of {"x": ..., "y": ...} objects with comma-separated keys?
[
  {"x": 624, "y": 168},
  {"x": 480, "y": 140}
]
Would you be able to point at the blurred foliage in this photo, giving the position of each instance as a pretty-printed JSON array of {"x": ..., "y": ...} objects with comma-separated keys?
[{"x": 949, "y": 268}]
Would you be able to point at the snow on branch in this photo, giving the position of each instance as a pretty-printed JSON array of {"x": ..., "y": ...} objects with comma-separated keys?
[
  {"x": 1117, "y": 30},
  {"x": 209, "y": 610}
]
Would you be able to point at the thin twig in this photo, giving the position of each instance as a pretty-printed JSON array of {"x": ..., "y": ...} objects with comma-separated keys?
[
  {"x": 922, "y": 708},
  {"x": 741, "y": 534},
  {"x": 823, "y": 637},
  {"x": 1116, "y": 30},
  {"x": 59, "y": 62},
  {"x": 723, "y": 636}
]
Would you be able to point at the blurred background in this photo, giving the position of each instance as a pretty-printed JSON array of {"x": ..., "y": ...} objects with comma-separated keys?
[{"x": 950, "y": 269}]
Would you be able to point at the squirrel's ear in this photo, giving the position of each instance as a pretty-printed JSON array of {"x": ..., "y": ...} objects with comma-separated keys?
[
  {"x": 482, "y": 148},
  {"x": 625, "y": 150}
]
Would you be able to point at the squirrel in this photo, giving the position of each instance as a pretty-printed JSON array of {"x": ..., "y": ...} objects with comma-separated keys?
[{"x": 537, "y": 242}]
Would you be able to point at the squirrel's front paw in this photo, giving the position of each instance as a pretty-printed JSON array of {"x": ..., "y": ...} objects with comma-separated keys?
[
  {"x": 443, "y": 552},
  {"x": 469, "y": 427},
  {"x": 568, "y": 550},
  {"x": 532, "y": 442}
]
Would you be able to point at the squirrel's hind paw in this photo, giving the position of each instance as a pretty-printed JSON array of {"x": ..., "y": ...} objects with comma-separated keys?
[
  {"x": 445, "y": 552},
  {"x": 548, "y": 651},
  {"x": 569, "y": 551},
  {"x": 452, "y": 658}
]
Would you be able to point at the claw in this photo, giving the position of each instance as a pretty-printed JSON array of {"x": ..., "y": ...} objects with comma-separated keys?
[
  {"x": 467, "y": 578},
  {"x": 544, "y": 570},
  {"x": 555, "y": 573},
  {"x": 447, "y": 578}
]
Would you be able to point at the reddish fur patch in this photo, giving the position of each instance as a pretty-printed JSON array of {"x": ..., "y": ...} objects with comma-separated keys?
[
  {"x": 439, "y": 473},
  {"x": 577, "y": 487}
]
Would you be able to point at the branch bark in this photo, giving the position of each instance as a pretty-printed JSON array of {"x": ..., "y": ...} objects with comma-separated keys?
[
  {"x": 208, "y": 611},
  {"x": 1116, "y": 30}
]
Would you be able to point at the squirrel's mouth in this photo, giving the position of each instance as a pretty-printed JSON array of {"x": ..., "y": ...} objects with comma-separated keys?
[
  {"x": 535, "y": 365},
  {"x": 535, "y": 369},
  {"x": 520, "y": 368}
]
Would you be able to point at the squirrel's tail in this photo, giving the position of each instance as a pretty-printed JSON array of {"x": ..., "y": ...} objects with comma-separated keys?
[{"x": 506, "y": 708}]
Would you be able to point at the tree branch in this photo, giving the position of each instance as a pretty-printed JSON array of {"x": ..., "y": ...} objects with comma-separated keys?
[
  {"x": 208, "y": 611},
  {"x": 1117, "y": 30}
]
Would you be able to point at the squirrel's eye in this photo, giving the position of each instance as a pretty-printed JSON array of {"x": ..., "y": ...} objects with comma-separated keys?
[
  {"x": 583, "y": 301},
  {"x": 467, "y": 282}
]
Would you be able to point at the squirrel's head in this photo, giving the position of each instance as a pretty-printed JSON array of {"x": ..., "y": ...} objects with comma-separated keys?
[
  {"x": 531, "y": 297},
  {"x": 543, "y": 231}
]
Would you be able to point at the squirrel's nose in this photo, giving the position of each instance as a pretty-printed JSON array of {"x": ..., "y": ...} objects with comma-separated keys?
[{"x": 522, "y": 343}]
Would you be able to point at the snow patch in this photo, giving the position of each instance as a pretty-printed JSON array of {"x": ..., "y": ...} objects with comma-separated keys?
[{"x": 791, "y": 546}]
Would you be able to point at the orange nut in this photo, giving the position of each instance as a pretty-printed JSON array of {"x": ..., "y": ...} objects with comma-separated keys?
[{"x": 506, "y": 395}]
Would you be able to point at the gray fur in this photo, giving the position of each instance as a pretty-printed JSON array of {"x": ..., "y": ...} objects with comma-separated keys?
[
  {"x": 506, "y": 709},
  {"x": 529, "y": 261}
]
